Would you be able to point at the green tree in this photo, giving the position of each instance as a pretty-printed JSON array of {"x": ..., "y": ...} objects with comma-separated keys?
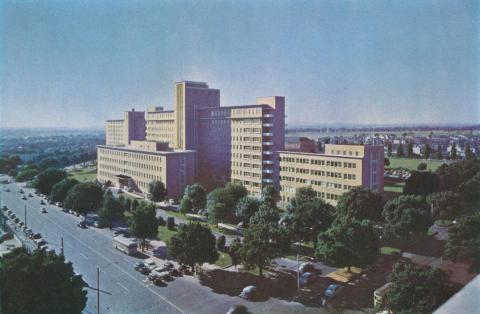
[
  {"x": 406, "y": 215},
  {"x": 410, "y": 149},
  {"x": 235, "y": 251},
  {"x": 157, "y": 191},
  {"x": 389, "y": 149},
  {"x": 454, "y": 174},
  {"x": 220, "y": 205},
  {"x": 439, "y": 152},
  {"x": 221, "y": 241},
  {"x": 60, "y": 189},
  {"x": 453, "y": 151},
  {"x": 84, "y": 197},
  {"x": 186, "y": 205},
  {"x": 265, "y": 214},
  {"x": 49, "y": 163},
  {"x": 143, "y": 222},
  {"x": 360, "y": 203},
  {"x": 309, "y": 218},
  {"x": 427, "y": 151},
  {"x": 193, "y": 244},
  {"x": 134, "y": 205},
  {"x": 386, "y": 162},
  {"x": 468, "y": 152},
  {"x": 348, "y": 243},
  {"x": 449, "y": 202},
  {"x": 246, "y": 208},
  {"x": 39, "y": 283},
  {"x": 263, "y": 241},
  {"x": 415, "y": 289},
  {"x": 464, "y": 241},
  {"x": 13, "y": 173},
  {"x": 422, "y": 183},
  {"x": 236, "y": 191},
  {"x": 197, "y": 196},
  {"x": 48, "y": 178},
  {"x": 111, "y": 210},
  {"x": 469, "y": 190},
  {"x": 270, "y": 195},
  {"x": 26, "y": 175},
  {"x": 400, "y": 150},
  {"x": 9, "y": 163},
  {"x": 422, "y": 166}
]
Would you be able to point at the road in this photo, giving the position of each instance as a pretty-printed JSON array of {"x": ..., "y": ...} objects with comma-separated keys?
[{"x": 128, "y": 291}]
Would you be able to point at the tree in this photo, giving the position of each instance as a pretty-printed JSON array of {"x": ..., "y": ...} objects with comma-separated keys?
[
  {"x": 449, "y": 202},
  {"x": 263, "y": 241},
  {"x": 13, "y": 173},
  {"x": 415, "y": 289},
  {"x": 143, "y": 222},
  {"x": 220, "y": 205},
  {"x": 60, "y": 189},
  {"x": 410, "y": 149},
  {"x": 422, "y": 183},
  {"x": 221, "y": 241},
  {"x": 406, "y": 215},
  {"x": 193, "y": 244},
  {"x": 464, "y": 241},
  {"x": 468, "y": 152},
  {"x": 400, "y": 150},
  {"x": 427, "y": 152},
  {"x": 170, "y": 223},
  {"x": 453, "y": 151},
  {"x": 26, "y": 174},
  {"x": 360, "y": 203},
  {"x": 49, "y": 163},
  {"x": 196, "y": 194},
  {"x": 270, "y": 195},
  {"x": 265, "y": 214},
  {"x": 309, "y": 218},
  {"x": 389, "y": 149},
  {"x": 112, "y": 209},
  {"x": 348, "y": 243},
  {"x": 454, "y": 174},
  {"x": 236, "y": 191},
  {"x": 469, "y": 190},
  {"x": 386, "y": 162},
  {"x": 134, "y": 205},
  {"x": 84, "y": 197},
  {"x": 235, "y": 251},
  {"x": 9, "y": 163},
  {"x": 186, "y": 205},
  {"x": 157, "y": 191},
  {"x": 246, "y": 208},
  {"x": 39, "y": 283},
  {"x": 439, "y": 152},
  {"x": 48, "y": 178},
  {"x": 422, "y": 166}
]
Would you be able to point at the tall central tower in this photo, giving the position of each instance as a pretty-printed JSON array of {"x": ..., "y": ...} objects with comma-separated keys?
[{"x": 190, "y": 96}]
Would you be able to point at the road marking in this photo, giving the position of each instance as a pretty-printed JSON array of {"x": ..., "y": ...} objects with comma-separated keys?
[
  {"x": 83, "y": 255},
  {"x": 114, "y": 265},
  {"x": 126, "y": 289}
]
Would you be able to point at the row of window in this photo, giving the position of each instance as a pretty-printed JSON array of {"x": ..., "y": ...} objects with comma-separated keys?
[
  {"x": 323, "y": 184},
  {"x": 350, "y": 153},
  {"x": 246, "y": 173},
  {"x": 328, "y": 163},
  {"x": 323, "y": 195},
  {"x": 246, "y": 156}
]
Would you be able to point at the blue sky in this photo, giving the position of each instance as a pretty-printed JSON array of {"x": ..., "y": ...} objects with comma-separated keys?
[{"x": 77, "y": 63}]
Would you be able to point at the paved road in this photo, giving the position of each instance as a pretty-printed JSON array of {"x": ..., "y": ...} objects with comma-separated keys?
[{"x": 128, "y": 291}]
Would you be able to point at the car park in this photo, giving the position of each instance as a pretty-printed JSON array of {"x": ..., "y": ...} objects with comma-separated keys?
[
  {"x": 332, "y": 290},
  {"x": 249, "y": 293},
  {"x": 43, "y": 210},
  {"x": 21, "y": 191}
]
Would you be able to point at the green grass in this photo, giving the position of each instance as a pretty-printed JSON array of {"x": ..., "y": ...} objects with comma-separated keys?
[
  {"x": 412, "y": 164},
  {"x": 164, "y": 234},
  {"x": 395, "y": 187},
  {"x": 443, "y": 223},
  {"x": 223, "y": 260},
  {"x": 388, "y": 250},
  {"x": 84, "y": 175}
]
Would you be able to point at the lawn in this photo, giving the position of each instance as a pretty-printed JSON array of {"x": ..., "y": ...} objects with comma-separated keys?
[
  {"x": 412, "y": 164},
  {"x": 394, "y": 187},
  {"x": 224, "y": 260},
  {"x": 164, "y": 234},
  {"x": 84, "y": 175},
  {"x": 389, "y": 250}
]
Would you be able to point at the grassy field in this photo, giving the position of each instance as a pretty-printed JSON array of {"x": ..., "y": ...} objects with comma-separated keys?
[
  {"x": 388, "y": 250},
  {"x": 164, "y": 234},
  {"x": 224, "y": 260},
  {"x": 84, "y": 175},
  {"x": 412, "y": 164},
  {"x": 394, "y": 187}
]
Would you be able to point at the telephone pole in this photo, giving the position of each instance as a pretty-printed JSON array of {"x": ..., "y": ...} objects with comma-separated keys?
[
  {"x": 61, "y": 246},
  {"x": 98, "y": 290}
]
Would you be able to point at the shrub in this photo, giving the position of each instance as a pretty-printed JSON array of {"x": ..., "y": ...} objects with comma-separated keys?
[{"x": 170, "y": 223}]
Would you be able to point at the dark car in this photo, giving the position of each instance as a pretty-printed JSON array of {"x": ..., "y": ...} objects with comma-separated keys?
[
  {"x": 175, "y": 273},
  {"x": 30, "y": 195},
  {"x": 36, "y": 236},
  {"x": 138, "y": 265},
  {"x": 24, "y": 198},
  {"x": 152, "y": 276},
  {"x": 4, "y": 208},
  {"x": 144, "y": 270},
  {"x": 82, "y": 224},
  {"x": 159, "y": 282},
  {"x": 42, "y": 202}
]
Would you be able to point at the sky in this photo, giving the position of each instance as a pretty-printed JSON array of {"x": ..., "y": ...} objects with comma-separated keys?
[{"x": 78, "y": 63}]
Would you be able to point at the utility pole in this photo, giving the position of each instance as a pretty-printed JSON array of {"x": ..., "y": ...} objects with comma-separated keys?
[
  {"x": 98, "y": 290},
  {"x": 25, "y": 215},
  {"x": 61, "y": 246},
  {"x": 298, "y": 276}
]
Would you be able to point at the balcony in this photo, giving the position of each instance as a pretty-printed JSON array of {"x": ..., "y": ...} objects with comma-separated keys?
[
  {"x": 267, "y": 171},
  {"x": 268, "y": 115},
  {"x": 267, "y": 152},
  {"x": 268, "y": 180},
  {"x": 268, "y": 125},
  {"x": 268, "y": 143},
  {"x": 268, "y": 134},
  {"x": 268, "y": 162}
]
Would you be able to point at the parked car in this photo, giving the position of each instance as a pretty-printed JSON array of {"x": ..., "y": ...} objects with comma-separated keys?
[
  {"x": 307, "y": 278},
  {"x": 159, "y": 282},
  {"x": 42, "y": 202},
  {"x": 98, "y": 224},
  {"x": 167, "y": 277},
  {"x": 58, "y": 204},
  {"x": 24, "y": 198},
  {"x": 21, "y": 224},
  {"x": 35, "y": 236},
  {"x": 82, "y": 224},
  {"x": 43, "y": 210},
  {"x": 308, "y": 267},
  {"x": 21, "y": 191},
  {"x": 138, "y": 265},
  {"x": 16, "y": 220},
  {"x": 144, "y": 270},
  {"x": 249, "y": 292},
  {"x": 13, "y": 216},
  {"x": 332, "y": 290},
  {"x": 175, "y": 273},
  {"x": 30, "y": 195},
  {"x": 152, "y": 276}
]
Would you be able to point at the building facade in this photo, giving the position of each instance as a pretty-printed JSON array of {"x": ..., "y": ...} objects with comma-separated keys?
[{"x": 338, "y": 170}]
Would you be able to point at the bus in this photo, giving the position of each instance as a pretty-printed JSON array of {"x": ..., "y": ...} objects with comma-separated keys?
[{"x": 125, "y": 245}]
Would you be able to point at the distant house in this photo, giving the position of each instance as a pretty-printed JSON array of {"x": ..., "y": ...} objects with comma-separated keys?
[{"x": 300, "y": 144}]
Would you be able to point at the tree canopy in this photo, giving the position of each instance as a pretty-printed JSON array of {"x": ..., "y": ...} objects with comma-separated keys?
[
  {"x": 421, "y": 183},
  {"x": 270, "y": 195},
  {"x": 348, "y": 243},
  {"x": 360, "y": 203},
  {"x": 464, "y": 241},
  {"x": 220, "y": 205},
  {"x": 26, "y": 174},
  {"x": 143, "y": 222},
  {"x": 415, "y": 289},
  {"x": 246, "y": 208},
  {"x": 60, "y": 189},
  {"x": 111, "y": 210},
  {"x": 197, "y": 196},
  {"x": 39, "y": 283},
  {"x": 84, "y": 197},
  {"x": 446, "y": 203},
  {"x": 157, "y": 191},
  {"x": 48, "y": 178},
  {"x": 193, "y": 244}
]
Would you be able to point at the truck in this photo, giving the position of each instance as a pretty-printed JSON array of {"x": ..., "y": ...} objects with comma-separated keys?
[{"x": 126, "y": 245}]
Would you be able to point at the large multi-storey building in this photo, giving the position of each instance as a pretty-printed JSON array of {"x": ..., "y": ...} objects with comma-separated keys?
[
  {"x": 201, "y": 141},
  {"x": 338, "y": 170}
]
